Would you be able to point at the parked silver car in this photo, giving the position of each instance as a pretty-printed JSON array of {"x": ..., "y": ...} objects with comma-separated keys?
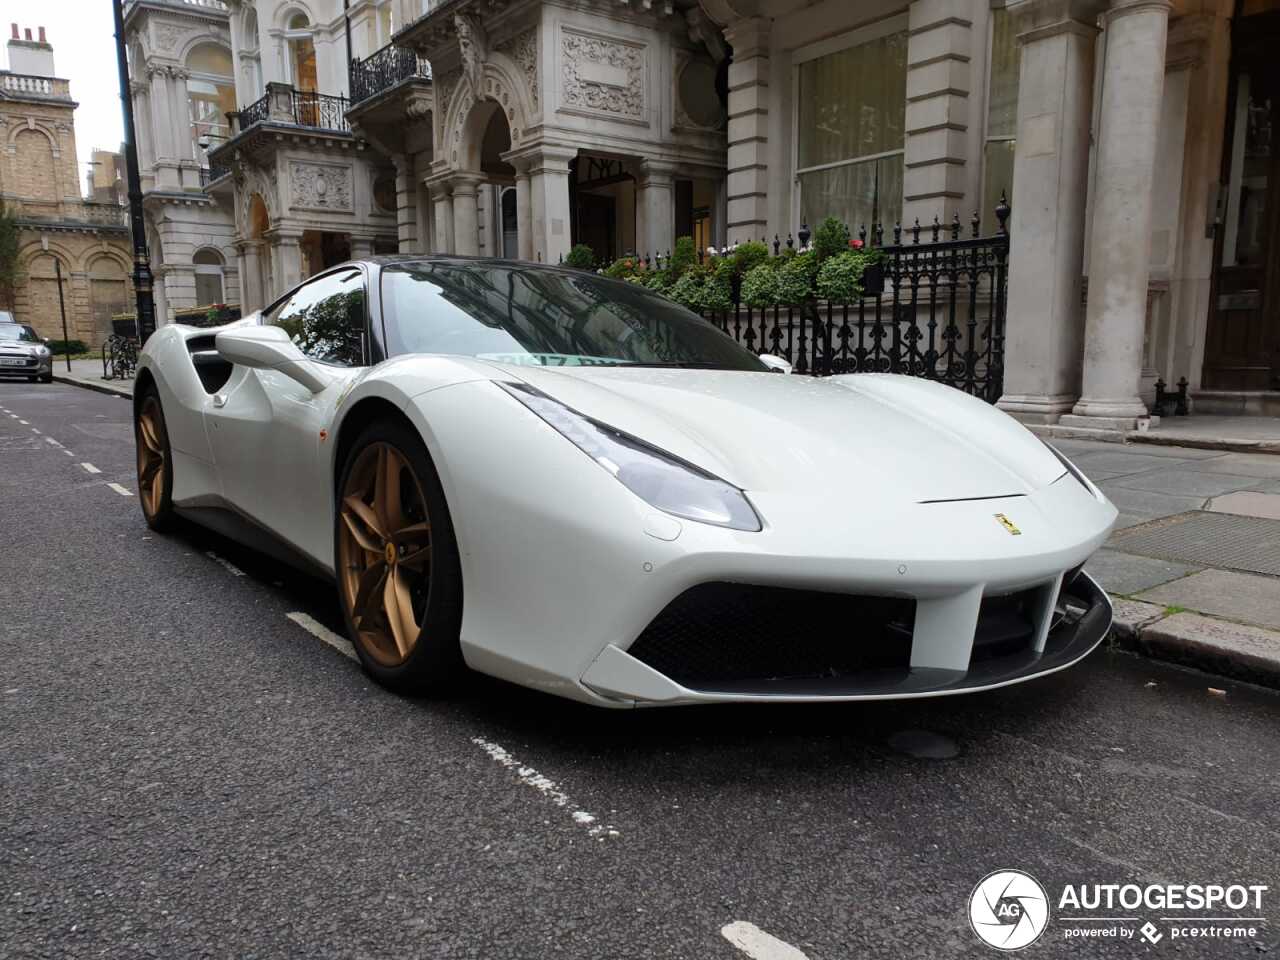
[{"x": 22, "y": 352}]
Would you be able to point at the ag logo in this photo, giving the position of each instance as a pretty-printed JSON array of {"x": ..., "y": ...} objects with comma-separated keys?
[{"x": 1008, "y": 910}]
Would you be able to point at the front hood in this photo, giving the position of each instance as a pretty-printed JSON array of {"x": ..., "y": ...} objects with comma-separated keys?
[{"x": 894, "y": 437}]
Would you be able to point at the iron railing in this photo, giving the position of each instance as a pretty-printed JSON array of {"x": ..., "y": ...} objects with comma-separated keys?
[
  {"x": 383, "y": 69},
  {"x": 934, "y": 310},
  {"x": 320, "y": 110},
  {"x": 256, "y": 112},
  {"x": 212, "y": 173}
]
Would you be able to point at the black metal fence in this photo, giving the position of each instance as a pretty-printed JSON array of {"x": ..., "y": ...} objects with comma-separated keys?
[
  {"x": 383, "y": 69},
  {"x": 936, "y": 310},
  {"x": 305, "y": 108},
  {"x": 256, "y": 112}
]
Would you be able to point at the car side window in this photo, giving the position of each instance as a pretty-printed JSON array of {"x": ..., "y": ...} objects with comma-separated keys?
[{"x": 326, "y": 318}]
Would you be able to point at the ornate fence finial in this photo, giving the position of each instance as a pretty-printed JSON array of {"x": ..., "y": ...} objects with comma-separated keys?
[
  {"x": 915, "y": 231},
  {"x": 862, "y": 234},
  {"x": 879, "y": 234},
  {"x": 791, "y": 244},
  {"x": 975, "y": 224},
  {"x": 897, "y": 233},
  {"x": 955, "y": 226},
  {"x": 804, "y": 236},
  {"x": 777, "y": 244},
  {"x": 936, "y": 227},
  {"x": 1002, "y": 212}
]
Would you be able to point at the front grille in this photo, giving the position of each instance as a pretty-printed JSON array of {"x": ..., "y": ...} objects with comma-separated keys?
[
  {"x": 1005, "y": 625},
  {"x": 730, "y": 633}
]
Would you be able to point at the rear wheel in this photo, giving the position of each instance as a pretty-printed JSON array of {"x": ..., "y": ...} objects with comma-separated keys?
[
  {"x": 399, "y": 578},
  {"x": 155, "y": 464}
]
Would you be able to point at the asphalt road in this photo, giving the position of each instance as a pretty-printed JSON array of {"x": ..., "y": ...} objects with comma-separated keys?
[{"x": 185, "y": 771}]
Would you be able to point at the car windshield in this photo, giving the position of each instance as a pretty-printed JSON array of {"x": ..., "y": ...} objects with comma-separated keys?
[
  {"x": 545, "y": 317},
  {"x": 18, "y": 331}
]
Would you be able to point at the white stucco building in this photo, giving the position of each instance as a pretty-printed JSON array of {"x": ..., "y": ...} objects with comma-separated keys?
[{"x": 1132, "y": 137}]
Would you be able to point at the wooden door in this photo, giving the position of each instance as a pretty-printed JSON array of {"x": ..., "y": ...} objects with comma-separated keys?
[{"x": 1242, "y": 342}]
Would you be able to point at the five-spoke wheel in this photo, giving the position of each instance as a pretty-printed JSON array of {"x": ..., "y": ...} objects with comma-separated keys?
[{"x": 155, "y": 472}]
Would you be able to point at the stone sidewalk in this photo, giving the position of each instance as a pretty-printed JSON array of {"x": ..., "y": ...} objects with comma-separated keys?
[
  {"x": 1194, "y": 563},
  {"x": 88, "y": 373}
]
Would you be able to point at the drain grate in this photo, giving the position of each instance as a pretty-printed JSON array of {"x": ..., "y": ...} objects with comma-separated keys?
[{"x": 1248, "y": 544}]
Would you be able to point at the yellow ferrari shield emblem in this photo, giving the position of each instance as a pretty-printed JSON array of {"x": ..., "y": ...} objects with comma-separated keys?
[{"x": 1008, "y": 525}]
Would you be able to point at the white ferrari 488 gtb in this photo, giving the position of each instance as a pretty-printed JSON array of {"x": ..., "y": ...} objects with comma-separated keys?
[{"x": 574, "y": 484}]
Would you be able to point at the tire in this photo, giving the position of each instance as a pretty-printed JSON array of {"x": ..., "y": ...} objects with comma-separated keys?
[
  {"x": 154, "y": 460},
  {"x": 396, "y": 559},
  {"x": 32, "y": 379},
  {"x": 46, "y": 378}
]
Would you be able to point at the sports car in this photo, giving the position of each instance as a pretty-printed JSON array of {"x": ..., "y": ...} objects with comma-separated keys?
[{"x": 572, "y": 483}]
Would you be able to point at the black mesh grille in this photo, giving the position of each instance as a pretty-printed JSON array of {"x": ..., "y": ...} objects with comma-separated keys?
[
  {"x": 730, "y": 633},
  {"x": 1005, "y": 625}
]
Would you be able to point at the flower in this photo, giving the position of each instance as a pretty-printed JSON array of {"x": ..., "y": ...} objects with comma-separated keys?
[
  {"x": 711, "y": 251},
  {"x": 855, "y": 243}
]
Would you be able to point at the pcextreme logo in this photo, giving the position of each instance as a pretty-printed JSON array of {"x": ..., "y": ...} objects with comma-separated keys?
[{"x": 1010, "y": 909}]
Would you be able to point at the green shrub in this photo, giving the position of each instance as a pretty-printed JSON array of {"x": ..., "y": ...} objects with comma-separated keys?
[
  {"x": 796, "y": 276},
  {"x": 622, "y": 268},
  {"x": 747, "y": 255},
  {"x": 717, "y": 292},
  {"x": 840, "y": 277},
  {"x": 760, "y": 285},
  {"x": 830, "y": 239},
  {"x": 684, "y": 256},
  {"x": 581, "y": 256},
  {"x": 687, "y": 291},
  {"x": 68, "y": 346}
]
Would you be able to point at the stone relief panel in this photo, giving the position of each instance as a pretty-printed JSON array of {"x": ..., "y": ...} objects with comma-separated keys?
[
  {"x": 602, "y": 75},
  {"x": 320, "y": 186},
  {"x": 169, "y": 38},
  {"x": 523, "y": 49}
]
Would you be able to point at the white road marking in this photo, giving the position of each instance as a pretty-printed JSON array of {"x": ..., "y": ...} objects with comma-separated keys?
[
  {"x": 120, "y": 490},
  {"x": 67, "y": 452},
  {"x": 52, "y": 442},
  {"x": 226, "y": 564},
  {"x": 90, "y": 468},
  {"x": 324, "y": 634},
  {"x": 546, "y": 786},
  {"x": 33, "y": 429},
  {"x": 757, "y": 944}
]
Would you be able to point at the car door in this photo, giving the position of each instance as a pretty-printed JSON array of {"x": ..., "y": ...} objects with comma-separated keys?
[{"x": 266, "y": 429}]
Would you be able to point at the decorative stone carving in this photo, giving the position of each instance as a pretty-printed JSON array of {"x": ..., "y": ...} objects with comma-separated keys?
[
  {"x": 445, "y": 85},
  {"x": 697, "y": 105},
  {"x": 602, "y": 75},
  {"x": 169, "y": 37},
  {"x": 523, "y": 49},
  {"x": 473, "y": 41},
  {"x": 319, "y": 186}
]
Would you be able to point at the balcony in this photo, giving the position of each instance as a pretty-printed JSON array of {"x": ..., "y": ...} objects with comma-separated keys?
[
  {"x": 384, "y": 69},
  {"x": 301, "y": 108},
  {"x": 212, "y": 174},
  {"x": 71, "y": 214},
  {"x": 24, "y": 86}
]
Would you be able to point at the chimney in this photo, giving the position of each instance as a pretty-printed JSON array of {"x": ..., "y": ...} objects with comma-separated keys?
[{"x": 28, "y": 56}]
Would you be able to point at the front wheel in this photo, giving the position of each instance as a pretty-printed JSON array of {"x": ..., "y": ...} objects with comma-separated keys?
[
  {"x": 399, "y": 576},
  {"x": 155, "y": 463},
  {"x": 46, "y": 378}
]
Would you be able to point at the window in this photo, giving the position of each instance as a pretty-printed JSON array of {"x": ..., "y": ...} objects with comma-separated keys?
[
  {"x": 302, "y": 54},
  {"x": 1002, "y": 113},
  {"x": 326, "y": 318},
  {"x": 208, "y": 267},
  {"x": 852, "y": 108},
  {"x": 544, "y": 317},
  {"x": 211, "y": 95}
]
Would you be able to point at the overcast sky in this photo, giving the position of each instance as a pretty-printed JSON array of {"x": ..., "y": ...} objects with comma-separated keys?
[{"x": 84, "y": 52}]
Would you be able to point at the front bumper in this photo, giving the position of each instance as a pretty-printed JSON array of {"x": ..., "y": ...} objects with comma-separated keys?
[{"x": 34, "y": 367}]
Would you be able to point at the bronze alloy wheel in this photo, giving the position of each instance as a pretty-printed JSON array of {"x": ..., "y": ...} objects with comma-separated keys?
[
  {"x": 153, "y": 458},
  {"x": 384, "y": 553}
]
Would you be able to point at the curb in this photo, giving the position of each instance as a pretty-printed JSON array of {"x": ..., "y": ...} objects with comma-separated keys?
[
  {"x": 1226, "y": 444},
  {"x": 1234, "y": 650},
  {"x": 108, "y": 388}
]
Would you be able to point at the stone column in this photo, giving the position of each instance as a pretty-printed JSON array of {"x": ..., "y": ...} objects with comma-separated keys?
[
  {"x": 655, "y": 208},
  {"x": 466, "y": 225},
  {"x": 524, "y": 215},
  {"x": 549, "y": 202},
  {"x": 748, "y": 141},
  {"x": 250, "y": 277},
  {"x": 288, "y": 254},
  {"x": 1120, "y": 241},
  {"x": 406, "y": 206},
  {"x": 361, "y": 248},
  {"x": 1043, "y": 333},
  {"x": 442, "y": 237}
]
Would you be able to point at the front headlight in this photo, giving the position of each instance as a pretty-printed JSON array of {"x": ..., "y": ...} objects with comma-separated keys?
[{"x": 671, "y": 485}]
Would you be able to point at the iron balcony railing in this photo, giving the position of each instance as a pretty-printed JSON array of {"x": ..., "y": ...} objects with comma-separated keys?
[
  {"x": 300, "y": 107},
  {"x": 383, "y": 69},
  {"x": 212, "y": 173}
]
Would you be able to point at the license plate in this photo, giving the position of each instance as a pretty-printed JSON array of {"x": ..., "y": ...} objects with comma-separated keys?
[{"x": 13, "y": 361}]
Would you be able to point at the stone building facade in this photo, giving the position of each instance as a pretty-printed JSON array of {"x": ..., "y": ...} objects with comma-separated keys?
[{"x": 41, "y": 186}]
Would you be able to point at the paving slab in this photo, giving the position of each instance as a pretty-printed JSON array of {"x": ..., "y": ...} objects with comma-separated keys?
[
  {"x": 1261, "y": 465},
  {"x": 1126, "y": 573},
  {"x": 1201, "y": 538},
  {"x": 1186, "y": 483},
  {"x": 1232, "y": 649},
  {"x": 1131, "y": 617},
  {"x": 1248, "y": 503},
  {"x": 1224, "y": 593},
  {"x": 1144, "y": 503},
  {"x": 1120, "y": 460}
]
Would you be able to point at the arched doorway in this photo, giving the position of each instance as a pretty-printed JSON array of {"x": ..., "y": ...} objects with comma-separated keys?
[
  {"x": 108, "y": 294},
  {"x": 208, "y": 267}
]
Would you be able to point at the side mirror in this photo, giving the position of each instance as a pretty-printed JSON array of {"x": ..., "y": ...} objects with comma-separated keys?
[
  {"x": 775, "y": 363},
  {"x": 269, "y": 348}
]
